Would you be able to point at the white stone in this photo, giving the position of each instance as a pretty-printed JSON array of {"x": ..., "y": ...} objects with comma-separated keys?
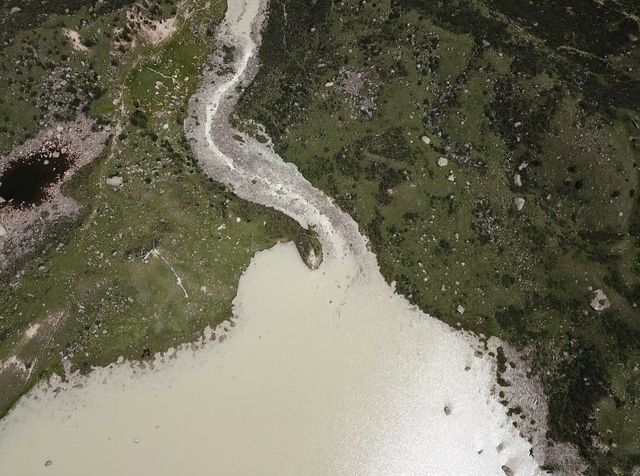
[
  {"x": 3, "y": 231},
  {"x": 600, "y": 302},
  {"x": 451, "y": 177},
  {"x": 442, "y": 162},
  {"x": 519, "y": 203},
  {"x": 425, "y": 139},
  {"x": 15, "y": 10},
  {"x": 329, "y": 84},
  {"x": 460, "y": 309},
  {"x": 115, "y": 181},
  {"x": 517, "y": 180}
]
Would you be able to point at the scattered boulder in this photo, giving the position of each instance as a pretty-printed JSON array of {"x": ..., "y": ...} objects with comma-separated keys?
[
  {"x": 442, "y": 162},
  {"x": 519, "y": 203},
  {"x": 115, "y": 181},
  {"x": 517, "y": 180},
  {"x": 600, "y": 302},
  {"x": 3, "y": 231},
  {"x": 426, "y": 140},
  {"x": 460, "y": 309},
  {"x": 15, "y": 10}
]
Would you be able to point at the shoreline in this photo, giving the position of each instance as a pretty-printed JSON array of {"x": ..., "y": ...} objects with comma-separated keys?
[
  {"x": 332, "y": 222},
  {"x": 258, "y": 174}
]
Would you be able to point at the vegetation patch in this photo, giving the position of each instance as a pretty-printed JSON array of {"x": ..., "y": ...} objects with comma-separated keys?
[{"x": 103, "y": 283}]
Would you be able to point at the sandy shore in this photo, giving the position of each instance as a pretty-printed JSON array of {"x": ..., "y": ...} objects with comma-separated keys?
[{"x": 314, "y": 378}]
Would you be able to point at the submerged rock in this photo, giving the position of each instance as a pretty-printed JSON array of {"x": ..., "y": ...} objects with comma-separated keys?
[{"x": 507, "y": 470}]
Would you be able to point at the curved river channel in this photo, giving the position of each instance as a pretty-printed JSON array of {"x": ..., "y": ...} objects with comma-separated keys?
[{"x": 325, "y": 372}]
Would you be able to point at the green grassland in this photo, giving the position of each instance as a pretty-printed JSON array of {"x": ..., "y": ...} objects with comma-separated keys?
[
  {"x": 87, "y": 285},
  {"x": 493, "y": 84}
]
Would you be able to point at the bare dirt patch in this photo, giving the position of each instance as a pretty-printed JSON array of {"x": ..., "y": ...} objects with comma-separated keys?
[
  {"x": 141, "y": 29},
  {"x": 158, "y": 31},
  {"x": 33, "y": 346},
  {"x": 74, "y": 40}
]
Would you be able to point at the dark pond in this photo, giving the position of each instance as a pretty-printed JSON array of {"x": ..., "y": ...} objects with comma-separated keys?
[{"x": 25, "y": 182}]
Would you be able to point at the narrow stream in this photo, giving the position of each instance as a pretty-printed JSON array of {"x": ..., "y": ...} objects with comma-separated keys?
[{"x": 325, "y": 372}]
